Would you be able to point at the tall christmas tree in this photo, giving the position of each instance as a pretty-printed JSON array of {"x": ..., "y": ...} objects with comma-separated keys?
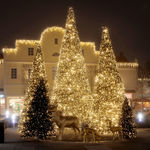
[
  {"x": 109, "y": 92},
  {"x": 35, "y": 120},
  {"x": 71, "y": 88},
  {"x": 128, "y": 121}
]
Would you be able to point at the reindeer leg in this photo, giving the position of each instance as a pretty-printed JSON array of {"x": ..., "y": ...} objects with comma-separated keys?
[
  {"x": 84, "y": 137},
  {"x": 74, "y": 132},
  {"x": 113, "y": 136},
  {"x": 59, "y": 138},
  {"x": 120, "y": 135},
  {"x": 78, "y": 131},
  {"x": 97, "y": 137},
  {"x": 62, "y": 130},
  {"x": 93, "y": 140}
]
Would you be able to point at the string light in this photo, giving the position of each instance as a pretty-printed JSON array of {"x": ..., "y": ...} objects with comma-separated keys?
[
  {"x": 109, "y": 92},
  {"x": 35, "y": 119},
  {"x": 52, "y": 29},
  {"x": 71, "y": 88},
  {"x": 90, "y": 44},
  {"x": 130, "y": 65}
]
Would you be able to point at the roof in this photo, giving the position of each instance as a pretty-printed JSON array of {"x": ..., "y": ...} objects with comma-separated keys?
[
  {"x": 140, "y": 100},
  {"x": 121, "y": 58}
]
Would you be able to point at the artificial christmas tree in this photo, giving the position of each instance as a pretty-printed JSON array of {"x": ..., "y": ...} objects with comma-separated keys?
[
  {"x": 128, "y": 121},
  {"x": 109, "y": 92},
  {"x": 71, "y": 88},
  {"x": 35, "y": 120}
]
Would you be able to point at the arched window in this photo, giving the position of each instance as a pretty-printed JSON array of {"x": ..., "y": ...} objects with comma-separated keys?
[{"x": 56, "y": 54}]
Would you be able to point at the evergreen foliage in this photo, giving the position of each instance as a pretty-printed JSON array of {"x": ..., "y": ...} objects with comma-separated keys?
[
  {"x": 71, "y": 87},
  {"x": 35, "y": 120},
  {"x": 128, "y": 121},
  {"x": 109, "y": 92}
]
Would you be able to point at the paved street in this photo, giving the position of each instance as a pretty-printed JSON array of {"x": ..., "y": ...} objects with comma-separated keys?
[
  {"x": 142, "y": 142},
  {"x": 13, "y": 141}
]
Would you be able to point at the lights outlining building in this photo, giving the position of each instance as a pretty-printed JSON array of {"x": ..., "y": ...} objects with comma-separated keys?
[{"x": 16, "y": 65}]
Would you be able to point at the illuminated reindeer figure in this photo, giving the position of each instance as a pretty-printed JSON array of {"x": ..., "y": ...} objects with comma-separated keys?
[
  {"x": 64, "y": 121},
  {"x": 115, "y": 129},
  {"x": 93, "y": 132}
]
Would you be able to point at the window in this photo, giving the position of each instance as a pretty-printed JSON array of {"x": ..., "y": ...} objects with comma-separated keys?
[
  {"x": 29, "y": 73},
  {"x": 13, "y": 73},
  {"x": 54, "y": 70},
  {"x": 83, "y": 52},
  {"x": 30, "y": 51},
  {"x": 56, "y": 54},
  {"x": 56, "y": 41},
  {"x": 128, "y": 95}
]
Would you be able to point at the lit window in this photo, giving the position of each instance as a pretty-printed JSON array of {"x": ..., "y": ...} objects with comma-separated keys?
[
  {"x": 13, "y": 73},
  {"x": 83, "y": 52},
  {"x": 29, "y": 73},
  {"x": 30, "y": 51},
  {"x": 56, "y": 41},
  {"x": 128, "y": 95},
  {"x": 54, "y": 70},
  {"x": 56, "y": 54}
]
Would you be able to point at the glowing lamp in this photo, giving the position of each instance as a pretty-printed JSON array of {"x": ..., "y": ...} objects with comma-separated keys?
[
  {"x": 7, "y": 114},
  {"x": 140, "y": 116}
]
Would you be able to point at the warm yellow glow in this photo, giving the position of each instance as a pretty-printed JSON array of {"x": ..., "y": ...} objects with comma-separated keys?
[
  {"x": 71, "y": 87},
  {"x": 144, "y": 79},
  {"x": 52, "y": 29},
  {"x": 9, "y": 50},
  {"x": 26, "y": 42},
  {"x": 90, "y": 44},
  {"x": 38, "y": 73},
  {"x": 130, "y": 65},
  {"x": 18, "y": 42},
  {"x": 109, "y": 92}
]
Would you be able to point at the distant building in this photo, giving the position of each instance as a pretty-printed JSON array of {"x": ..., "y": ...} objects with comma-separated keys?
[{"x": 15, "y": 67}]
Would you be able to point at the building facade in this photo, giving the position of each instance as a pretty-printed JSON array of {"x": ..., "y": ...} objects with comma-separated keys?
[{"x": 15, "y": 68}]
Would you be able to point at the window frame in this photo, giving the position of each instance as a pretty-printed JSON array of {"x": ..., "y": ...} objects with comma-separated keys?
[
  {"x": 13, "y": 74},
  {"x": 30, "y": 53},
  {"x": 56, "y": 41}
]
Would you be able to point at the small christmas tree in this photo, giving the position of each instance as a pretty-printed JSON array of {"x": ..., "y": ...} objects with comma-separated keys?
[
  {"x": 109, "y": 92},
  {"x": 128, "y": 121},
  {"x": 71, "y": 87},
  {"x": 35, "y": 120}
]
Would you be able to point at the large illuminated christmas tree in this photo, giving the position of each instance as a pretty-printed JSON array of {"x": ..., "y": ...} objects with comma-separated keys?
[
  {"x": 109, "y": 92},
  {"x": 71, "y": 88},
  {"x": 35, "y": 120}
]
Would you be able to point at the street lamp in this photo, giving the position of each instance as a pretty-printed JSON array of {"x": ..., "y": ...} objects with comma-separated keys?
[
  {"x": 7, "y": 114},
  {"x": 13, "y": 117},
  {"x": 140, "y": 116}
]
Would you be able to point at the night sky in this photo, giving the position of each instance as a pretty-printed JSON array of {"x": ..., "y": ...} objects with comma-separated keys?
[{"x": 128, "y": 22}]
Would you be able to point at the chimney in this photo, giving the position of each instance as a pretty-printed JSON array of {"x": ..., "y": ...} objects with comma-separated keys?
[{"x": 136, "y": 60}]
